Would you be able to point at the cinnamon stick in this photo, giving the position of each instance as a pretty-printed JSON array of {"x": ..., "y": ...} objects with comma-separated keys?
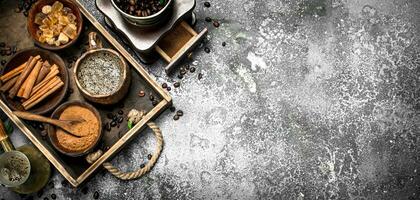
[
  {"x": 48, "y": 91},
  {"x": 31, "y": 80},
  {"x": 12, "y": 73},
  {"x": 50, "y": 75},
  {"x": 43, "y": 88},
  {"x": 45, "y": 69},
  {"x": 28, "y": 68},
  {"x": 9, "y": 84}
]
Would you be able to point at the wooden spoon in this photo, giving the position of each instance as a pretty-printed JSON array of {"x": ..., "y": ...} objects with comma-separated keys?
[{"x": 67, "y": 125}]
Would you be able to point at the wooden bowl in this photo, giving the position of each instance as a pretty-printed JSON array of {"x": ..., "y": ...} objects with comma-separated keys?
[
  {"x": 51, "y": 130},
  {"x": 52, "y": 101},
  {"x": 32, "y": 27}
]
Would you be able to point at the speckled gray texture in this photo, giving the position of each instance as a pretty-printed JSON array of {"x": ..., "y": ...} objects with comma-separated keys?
[{"x": 308, "y": 100}]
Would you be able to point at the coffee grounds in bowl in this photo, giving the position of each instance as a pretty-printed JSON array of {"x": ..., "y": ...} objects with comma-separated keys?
[{"x": 141, "y": 8}]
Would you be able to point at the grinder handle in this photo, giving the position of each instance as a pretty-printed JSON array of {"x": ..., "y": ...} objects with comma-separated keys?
[{"x": 4, "y": 139}]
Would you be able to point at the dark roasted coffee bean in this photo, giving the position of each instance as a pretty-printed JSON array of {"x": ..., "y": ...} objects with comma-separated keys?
[
  {"x": 26, "y": 14},
  {"x": 176, "y": 117},
  {"x": 208, "y": 19},
  {"x": 142, "y": 93},
  {"x": 216, "y": 24},
  {"x": 2, "y": 44},
  {"x": 14, "y": 49},
  {"x": 180, "y": 76},
  {"x": 3, "y": 62},
  {"x": 223, "y": 43},
  {"x": 44, "y": 133},
  {"x": 121, "y": 105},
  {"x": 164, "y": 85},
  {"x": 169, "y": 88},
  {"x": 53, "y": 196},
  {"x": 115, "y": 118},
  {"x": 120, "y": 112},
  {"x": 187, "y": 66},
  {"x": 108, "y": 126},
  {"x": 177, "y": 84},
  {"x": 64, "y": 183},
  {"x": 192, "y": 69},
  {"x": 142, "y": 166},
  {"x": 183, "y": 71},
  {"x": 51, "y": 184},
  {"x": 200, "y": 76},
  {"x": 45, "y": 198},
  {"x": 207, "y": 4},
  {"x": 149, "y": 156},
  {"x": 40, "y": 193},
  {"x": 96, "y": 195},
  {"x": 151, "y": 97},
  {"x": 120, "y": 119},
  {"x": 110, "y": 115},
  {"x": 155, "y": 102},
  {"x": 179, "y": 113},
  {"x": 172, "y": 109},
  {"x": 8, "y": 53},
  {"x": 113, "y": 123},
  {"x": 206, "y": 49},
  {"x": 85, "y": 190},
  {"x": 41, "y": 126}
]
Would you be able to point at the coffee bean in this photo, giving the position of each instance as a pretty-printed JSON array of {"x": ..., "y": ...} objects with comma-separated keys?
[
  {"x": 223, "y": 43},
  {"x": 96, "y": 195},
  {"x": 164, "y": 85},
  {"x": 151, "y": 97},
  {"x": 142, "y": 166},
  {"x": 70, "y": 90},
  {"x": 121, "y": 105},
  {"x": 120, "y": 119},
  {"x": 149, "y": 156},
  {"x": 115, "y": 118},
  {"x": 45, "y": 198},
  {"x": 85, "y": 190},
  {"x": 44, "y": 133},
  {"x": 192, "y": 69},
  {"x": 216, "y": 24},
  {"x": 14, "y": 49},
  {"x": 208, "y": 19},
  {"x": 2, "y": 44},
  {"x": 200, "y": 76},
  {"x": 172, "y": 109},
  {"x": 53, "y": 196},
  {"x": 176, "y": 117},
  {"x": 3, "y": 62},
  {"x": 113, "y": 123},
  {"x": 8, "y": 52},
  {"x": 179, "y": 113},
  {"x": 180, "y": 76},
  {"x": 41, "y": 127},
  {"x": 64, "y": 183},
  {"x": 155, "y": 102},
  {"x": 120, "y": 112},
  {"x": 18, "y": 10},
  {"x": 110, "y": 115},
  {"x": 182, "y": 71},
  {"x": 187, "y": 67},
  {"x": 207, "y": 4},
  {"x": 169, "y": 88},
  {"x": 142, "y": 93},
  {"x": 108, "y": 126},
  {"x": 26, "y": 14},
  {"x": 206, "y": 49},
  {"x": 40, "y": 193},
  {"x": 177, "y": 84}
]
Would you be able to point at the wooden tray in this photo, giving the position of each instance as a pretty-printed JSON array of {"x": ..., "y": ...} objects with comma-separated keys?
[{"x": 77, "y": 170}]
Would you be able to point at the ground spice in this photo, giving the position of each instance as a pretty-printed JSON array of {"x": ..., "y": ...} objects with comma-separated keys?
[{"x": 89, "y": 128}]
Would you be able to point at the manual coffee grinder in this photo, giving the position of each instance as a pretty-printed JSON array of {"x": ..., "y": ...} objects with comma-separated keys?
[{"x": 24, "y": 170}]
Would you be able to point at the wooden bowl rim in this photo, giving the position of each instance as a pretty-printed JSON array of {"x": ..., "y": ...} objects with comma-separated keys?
[
  {"x": 52, "y": 132},
  {"x": 45, "y": 45},
  {"x": 65, "y": 74}
]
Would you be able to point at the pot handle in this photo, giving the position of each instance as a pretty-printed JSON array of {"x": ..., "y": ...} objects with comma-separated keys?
[
  {"x": 91, "y": 158},
  {"x": 94, "y": 42}
]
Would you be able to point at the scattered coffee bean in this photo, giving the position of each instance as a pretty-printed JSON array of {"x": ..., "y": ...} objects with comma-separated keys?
[
  {"x": 108, "y": 126},
  {"x": 151, "y": 97},
  {"x": 207, "y": 4},
  {"x": 142, "y": 93},
  {"x": 53, "y": 196},
  {"x": 14, "y": 49},
  {"x": 41, "y": 126},
  {"x": 177, "y": 84},
  {"x": 40, "y": 193},
  {"x": 155, "y": 102},
  {"x": 26, "y": 14},
  {"x": 3, "y": 62},
  {"x": 216, "y": 24},
  {"x": 113, "y": 123},
  {"x": 110, "y": 115},
  {"x": 96, "y": 195},
  {"x": 206, "y": 49},
  {"x": 142, "y": 166},
  {"x": 121, "y": 105},
  {"x": 64, "y": 183},
  {"x": 169, "y": 88},
  {"x": 149, "y": 156},
  {"x": 2, "y": 44},
  {"x": 180, "y": 76},
  {"x": 120, "y": 119},
  {"x": 179, "y": 113},
  {"x": 120, "y": 112},
  {"x": 176, "y": 117},
  {"x": 192, "y": 69},
  {"x": 18, "y": 10},
  {"x": 187, "y": 67},
  {"x": 164, "y": 85},
  {"x": 85, "y": 190},
  {"x": 45, "y": 198},
  {"x": 183, "y": 71},
  {"x": 208, "y": 19},
  {"x": 200, "y": 76},
  {"x": 51, "y": 184},
  {"x": 115, "y": 118},
  {"x": 8, "y": 52},
  {"x": 223, "y": 43},
  {"x": 172, "y": 109},
  {"x": 44, "y": 133},
  {"x": 71, "y": 91}
]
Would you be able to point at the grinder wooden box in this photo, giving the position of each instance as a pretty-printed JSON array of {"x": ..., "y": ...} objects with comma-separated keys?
[{"x": 77, "y": 170}]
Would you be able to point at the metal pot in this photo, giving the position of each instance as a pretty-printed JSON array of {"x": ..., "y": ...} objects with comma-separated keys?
[{"x": 151, "y": 21}]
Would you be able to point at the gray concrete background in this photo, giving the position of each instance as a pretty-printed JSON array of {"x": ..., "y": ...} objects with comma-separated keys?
[{"x": 308, "y": 100}]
